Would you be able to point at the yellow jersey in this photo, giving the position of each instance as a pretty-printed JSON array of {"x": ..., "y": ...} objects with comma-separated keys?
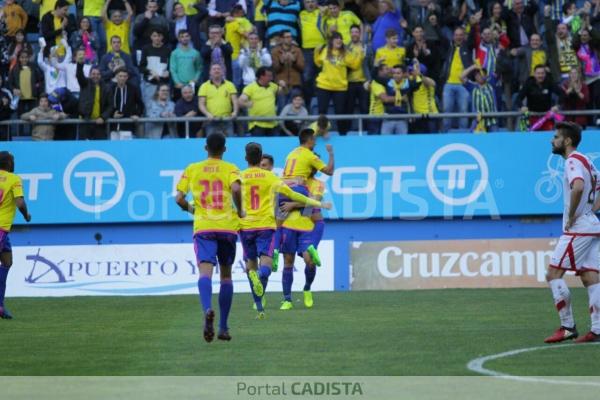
[
  {"x": 390, "y": 57},
  {"x": 311, "y": 35},
  {"x": 300, "y": 163},
  {"x": 357, "y": 74},
  {"x": 10, "y": 188},
  {"x": 456, "y": 68},
  {"x": 259, "y": 16},
  {"x": 235, "y": 34},
  {"x": 210, "y": 183},
  {"x": 218, "y": 98},
  {"x": 122, "y": 31},
  {"x": 259, "y": 188},
  {"x": 263, "y": 103},
  {"x": 316, "y": 188},
  {"x": 298, "y": 222},
  {"x": 341, "y": 24},
  {"x": 376, "y": 106},
  {"x": 424, "y": 99},
  {"x": 538, "y": 57},
  {"x": 334, "y": 69}
]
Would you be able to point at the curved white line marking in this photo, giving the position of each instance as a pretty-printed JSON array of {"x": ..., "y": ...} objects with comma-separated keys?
[{"x": 476, "y": 365}]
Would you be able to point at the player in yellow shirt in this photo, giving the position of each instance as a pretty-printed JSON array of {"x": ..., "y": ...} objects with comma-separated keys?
[
  {"x": 216, "y": 188},
  {"x": 258, "y": 225},
  {"x": 11, "y": 198},
  {"x": 391, "y": 54}
]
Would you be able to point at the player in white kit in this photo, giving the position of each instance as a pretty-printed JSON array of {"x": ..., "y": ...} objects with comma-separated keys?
[{"x": 578, "y": 248}]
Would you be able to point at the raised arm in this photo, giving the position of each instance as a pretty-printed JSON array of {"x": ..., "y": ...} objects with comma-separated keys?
[{"x": 328, "y": 170}]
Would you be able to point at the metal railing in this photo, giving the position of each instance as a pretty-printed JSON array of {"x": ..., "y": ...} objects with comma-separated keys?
[{"x": 360, "y": 118}]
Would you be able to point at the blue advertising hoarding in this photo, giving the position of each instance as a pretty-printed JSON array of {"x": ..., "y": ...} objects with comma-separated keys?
[{"x": 390, "y": 177}]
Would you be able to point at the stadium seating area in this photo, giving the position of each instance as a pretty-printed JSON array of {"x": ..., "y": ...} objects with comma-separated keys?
[{"x": 101, "y": 60}]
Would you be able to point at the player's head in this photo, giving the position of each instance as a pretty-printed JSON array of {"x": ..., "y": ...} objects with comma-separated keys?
[
  {"x": 7, "y": 161},
  {"x": 567, "y": 137},
  {"x": 267, "y": 162},
  {"x": 307, "y": 138},
  {"x": 215, "y": 144},
  {"x": 253, "y": 154}
]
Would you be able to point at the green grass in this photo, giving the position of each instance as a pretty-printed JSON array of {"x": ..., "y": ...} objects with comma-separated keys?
[{"x": 355, "y": 333}]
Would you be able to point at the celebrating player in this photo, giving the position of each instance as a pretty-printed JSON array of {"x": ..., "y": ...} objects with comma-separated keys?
[
  {"x": 316, "y": 189},
  {"x": 258, "y": 225},
  {"x": 267, "y": 162},
  {"x": 214, "y": 184},
  {"x": 578, "y": 248},
  {"x": 299, "y": 165},
  {"x": 11, "y": 198}
]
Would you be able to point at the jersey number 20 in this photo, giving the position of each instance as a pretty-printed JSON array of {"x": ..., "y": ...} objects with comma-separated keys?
[{"x": 215, "y": 189}]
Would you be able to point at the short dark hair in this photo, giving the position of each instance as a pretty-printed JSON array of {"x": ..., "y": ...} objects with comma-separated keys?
[
  {"x": 261, "y": 71},
  {"x": 539, "y": 66},
  {"x": 570, "y": 130},
  {"x": 355, "y": 26},
  {"x": 391, "y": 33},
  {"x": 305, "y": 135},
  {"x": 119, "y": 70},
  {"x": 182, "y": 32},
  {"x": 157, "y": 30},
  {"x": 283, "y": 32},
  {"x": 61, "y": 4},
  {"x": 253, "y": 153},
  {"x": 215, "y": 144},
  {"x": 6, "y": 160},
  {"x": 269, "y": 157},
  {"x": 323, "y": 121}
]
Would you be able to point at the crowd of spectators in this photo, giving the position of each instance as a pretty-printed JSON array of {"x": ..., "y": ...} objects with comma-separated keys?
[{"x": 220, "y": 59}]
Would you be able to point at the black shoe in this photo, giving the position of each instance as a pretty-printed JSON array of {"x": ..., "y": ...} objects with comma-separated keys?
[{"x": 209, "y": 329}]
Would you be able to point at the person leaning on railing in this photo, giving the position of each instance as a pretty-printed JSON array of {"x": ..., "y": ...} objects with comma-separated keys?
[{"x": 91, "y": 98}]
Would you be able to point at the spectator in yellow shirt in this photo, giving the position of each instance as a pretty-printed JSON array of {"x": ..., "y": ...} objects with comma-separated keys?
[
  {"x": 332, "y": 82},
  {"x": 237, "y": 28},
  {"x": 390, "y": 54},
  {"x": 117, "y": 25},
  {"x": 336, "y": 20},
  {"x": 260, "y": 99},
  {"x": 217, "y": 98}
]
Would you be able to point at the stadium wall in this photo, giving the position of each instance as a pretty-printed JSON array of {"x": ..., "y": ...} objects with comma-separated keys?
[{"x": 410, "y": 212}]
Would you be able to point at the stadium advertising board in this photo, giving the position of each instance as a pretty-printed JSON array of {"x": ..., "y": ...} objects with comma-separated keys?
[
  {"x": 439, "y": 264},
  {"x": 130, "y": 270},
  {"x": 388, "y": 177}
]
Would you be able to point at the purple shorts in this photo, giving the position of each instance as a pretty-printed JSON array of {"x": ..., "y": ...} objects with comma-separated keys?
[
  {"x": 317, "y": 233},
  {"x": 258, "y": 243},
  {"x": 295, "y": 242},
  {"x": 5, "y": 246},
  {"x": 213, "y": 247}
]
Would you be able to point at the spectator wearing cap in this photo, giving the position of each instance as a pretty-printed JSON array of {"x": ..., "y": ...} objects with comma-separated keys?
[
  {"x": 219, "y": 10},
  {"x": 288, "y": 64},
  {"x": 332, "y": 82},
  {"x": 187, "y": 106},
  {"x": 483, "y": 95},
  {"x": 15, "y": 17},
  {"x": 337, "y": 20},
  {"x": 260, "y": 99},
  {"x": 357, "y": 94},
  {"x": 43, "y": 132},
  {"x": 282, "y": 15},
  {"x": 389, "y": 18},
  {"x": 455, "y": 96},
  {"x": 147, "y": 23},
  {"x": 529, "y": 57},
  {"x": 154, "y": 65},
  {"x": 216, "y": 51},
  {"x": 117, "y": 25},
  {"x": 538, "y": 92},
  {"x": 520, "y": 22},
  {"x": 252, "y": 58},
  {"x": 217, "y": 98},
  {"x": 237, "y": 28},
  {"x": 423, "y": 100},
  {"x": 312, "y": 38}
]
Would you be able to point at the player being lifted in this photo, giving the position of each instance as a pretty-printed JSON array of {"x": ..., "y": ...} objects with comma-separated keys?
[
  {"x": 257, "y": 232},
  {"x": 11, "y": 198},
  {"x": 316, "y": 189},
  {"x": 216, "y": 188},
  {"x": 295, "y": 232},
  {"x": 578, "y": 248}
]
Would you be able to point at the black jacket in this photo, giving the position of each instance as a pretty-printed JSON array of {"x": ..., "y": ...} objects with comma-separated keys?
[
  {"x": 49, "y": 33},
  {"x": 163, "y": 53},
  {"x": 193, "y": 26},
  {"x": 206, "y": 52},
  {"x": 133, "y": 104},
  {"x": 37, "y": 79},
  {"x": 466, "y": 56},
  {"x": 539, "y": 97},
  {"x": 87, "y": 93},
  {"x": 527, "y": 22}
]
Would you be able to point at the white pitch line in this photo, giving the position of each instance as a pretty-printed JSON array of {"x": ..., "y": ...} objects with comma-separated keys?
[{"x": 476, "y": 365}]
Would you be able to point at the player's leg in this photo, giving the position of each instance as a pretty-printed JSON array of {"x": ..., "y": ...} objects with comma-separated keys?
[
  {"x": 317, "y": 235},
  {"x": 306, "y": 240},
  {"x": 288, "y": 248},
  {"x": 265, "y": 243},
  {"x": 563, "y": 259},
  {"x": 205, "y": 247},
  {"x": 226, "y": 256},
  {"x": 6, "y": 261},
  {"x": 249, "y": 246},
  {"x": 591, "y": 280}
]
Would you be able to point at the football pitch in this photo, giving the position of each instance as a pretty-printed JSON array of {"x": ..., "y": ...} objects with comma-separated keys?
[{"x": 433, "y": 332}]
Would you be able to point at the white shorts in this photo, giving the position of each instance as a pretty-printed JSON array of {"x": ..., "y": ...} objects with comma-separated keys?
[{"x": 577, "y": 253}]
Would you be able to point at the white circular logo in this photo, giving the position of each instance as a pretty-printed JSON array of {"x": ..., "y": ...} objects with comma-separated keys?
[
  {"x": 94, "y": 181},
  {"x": 457, "y": 174}
]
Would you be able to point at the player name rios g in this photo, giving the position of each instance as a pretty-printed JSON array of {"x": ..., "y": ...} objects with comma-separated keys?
[{"x": 300, "y": 389}]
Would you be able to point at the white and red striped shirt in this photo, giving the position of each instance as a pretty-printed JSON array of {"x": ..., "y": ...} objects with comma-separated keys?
[{"x": 579, "y": 167}]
